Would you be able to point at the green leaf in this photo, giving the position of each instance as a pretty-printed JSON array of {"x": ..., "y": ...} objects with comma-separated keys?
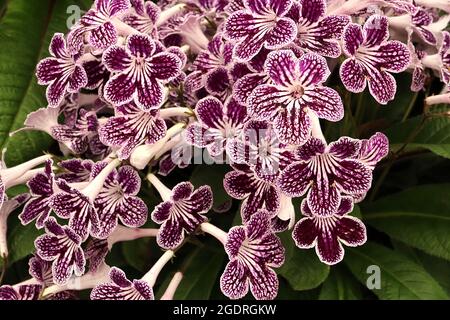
[
  {"x": 419, "y": 216},
  {"x": 212, "y": 175},
  {"x": 400, "y": 278},
  {"x": 434, "y": 135},
  {"x": 21, "y": 241},
  {"x": 25, "y": 32},
  {"x": 302, "y": 269},
  {"x": 200, "y": 276},
  {"x": 438, "y": 268},
  {"x": 340, "y": 286}
]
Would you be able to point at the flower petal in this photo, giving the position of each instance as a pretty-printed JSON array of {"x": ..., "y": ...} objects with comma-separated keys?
[
  {"x": 282, "y": 34},
  {"x": 281, "y": 67},
  {"x": 263, "y": 102},
  {"x": 210, "y": 112},
  {"x": 382, "y": 86},
  {"x": 351, "y": 231},
  {"x": 395, "y": 56},
  {"x": 325, "y": 103},
  {"x": 345, "y": 147},
  {"x": 353, "y": 38},
  {"x": 119, "y": 277},
  {"x": 119, "y": 90},
  {"x": 162, "y": 212},
  {"x": 293, "y": 126},
  {"x": 323, "y": 199},
  {"x": 171, "y": 234},
  {"x": 263, "y": 283},
  {"x": 375, "y": 30},
  {"x": 313, "y": 69},
  {"x": 329, "y": 249},
  {"x": 165, "y": 66},
  {"x": 313, "y": 10},
  {"x": 296, "y": 179},
  {"x": 103, "y": 36},
  {"x": 353, "y": 177},
  {"x": 234, "y": 282},
  {"x": 305, "y": 233},
  {"x": 352, "y": 74},
  {"x": 116, "y": 59},
  {"x": 141, "y": 45}
]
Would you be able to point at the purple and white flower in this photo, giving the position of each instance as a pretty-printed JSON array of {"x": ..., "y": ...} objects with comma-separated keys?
[
  {"x": 62, "y": 246},
  {"x": 139, "y": 72},
  {"x": 253, "y": 251},
  {"x": 263, "y": 23},
  {"x": 216, "y": 124},
  {"x": 297, "y": 96},
  {"x": 63, "y": 73},
  {"x": 328, "y": 233},
  {"x": 20, "y": 292},
  {"x": 181, "y": 213},
  {"x": 144, "y": 18},
  {"x": 326, "y": 173},
  {"x": 372, "y": 59}
]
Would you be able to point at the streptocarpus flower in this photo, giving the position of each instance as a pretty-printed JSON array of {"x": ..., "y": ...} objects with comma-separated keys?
[
  {"x": 326, "y": 173},
  {"x": 181, "y": 213},
  {"x": 5, "y": 210},
  {"x": 99, "y": 25},
  {"x": 263, "y": 23},
  {"x": 259, "y": 147},
  {"x": 145, "y": 17},
  {"x": 217, "y": 124},
  {"x": 63, "y": 72},
  {"x": 253, "y": 251},
  {"x": 256, "y": 193},
  {"x": 374, "y": 149},
  {"x": 420, "y": 21},
  {"x": 328, "y": 233},
  {"x": 120, "y": 288},
  {"x": 42, "y": 190},
  {"x": 75, "y": 170},
  {"x": 78, "y": 205},
  {"x": 140, "y": 71},
  {"x": 118, "y": 200},
  {"x": 62, "y": 246},
  {"x": 371, "y": 59},
  {"x": 132, "y": 127},
  {"x": 318, "y": 32},
  {"x": 296, "y": 96},
  {"x": 20, "y": 292}
]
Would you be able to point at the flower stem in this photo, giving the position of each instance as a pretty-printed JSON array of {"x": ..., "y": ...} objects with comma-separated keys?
[
  {"x": 176, "y": 112},
  {"x": 217, "y": 233},
  {"x": 166, "y": 15},
  {"x": 173, "y": 286},
  {"x": 11, "y": 174},
  {"x": 96, "y": 185},
  {"x": 163, "y": 191},
  {"x": 151, "y": 276}
]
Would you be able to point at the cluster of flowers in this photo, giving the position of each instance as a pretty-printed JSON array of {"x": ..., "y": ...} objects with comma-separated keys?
[{"x": 133, "y": 83}]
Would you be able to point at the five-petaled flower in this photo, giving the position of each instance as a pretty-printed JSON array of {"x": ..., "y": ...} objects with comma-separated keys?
[
  {"x": 371, "y": 58},
  {"x": 318, "y": 32},
  {"x": 296, "y": 96},
  {"x": 63, "y": 72},
  {"x": 118, "y": 200},
  {"x": 181, "y": 213},
  {"x": 61, "y": 245},
  {"x": 328, "y": 232},
  {"x": 263, "y": 23},
  {"x": 217, "y": 124},
  {"x": 120, "y": 288},
  {"x": 99, "y": 25},
  {"x": 140, "y": 69},
  {"x": 327, "y": 172},
  {"x": 253, "y": 251}
]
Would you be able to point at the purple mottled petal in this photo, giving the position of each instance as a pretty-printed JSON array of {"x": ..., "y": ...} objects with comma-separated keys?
[
  {"x": 346, "y": 206},
  {"x": 281, "y": 67},
  {"x": 295, "y": 180},
  {"x": 119, "y": 277},
  {"x": 293, "y": 126},
  {"x": 237, "y": 184},
  {"x": 78, "y": 79},
  {"x": 47, "y": 247},
  {"x": 394, "y": 56},
  {"x": 48, "y": 70},
  {"x": 263, "y": 283},
  {"x": 238, "y": 25},
  {"x": 345, "y": 147},
  {"x": 182, "y": 191},
  {"x": 30, "y": 292},
  {"x": 311, "y": 148},
  {"x": 129, "y": 180},
  {"x": 202, "y": 199},
  {"x": 52, "y": 226},
  {"x": 58, "y": 46},
  {"x": 144, "y": 289},
  {"x": 351, "y": 231},
  {"x": 133, "y": 212},
  {"x": 244, "y": 87},
  {"x": 353, "y": 177},
  {"x": 326, "y": 103},
  {"x": 263, "y": 102},
  {"x": 141, "y": 45},
  {"x": 329, "y": 249},
  {"x": 353, "y": 38},
  {"x": 56, "y": 92},
  {"x": 210, "y": 112},
  {"x": 313, "y": 10},
  {"x": 162, "y": 212},
  {"x": 374, "y": 149},
  {"x": 353, "y": 77},
  {"x": 119, "y": 89},
  {"x": 7, "y": 293},
  {"x": 39, "y": 207},
  {"x": 313, "y": 69},
  {"x": 305, "y": 233},
  {"x": 235, "y": 238},
  {"x": 165, "y": 66},
  {"x": 217, "y": 81},
  {"x": 234, "y": 280},
  {"x": 282, "y": 34},
  {"x": 382, "y": 86},
  {"x": 375, "y": 30},
  {"x": 116, "y": 59},
  {"x": 150, "y": 94},
  {"x": 323, "y": 198},
  {"x": 258, "y": 225},
  {"x": 79, "y": 262},
  {"x": 103, "y": 36},
  {"x": 171, "y": 234}
]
